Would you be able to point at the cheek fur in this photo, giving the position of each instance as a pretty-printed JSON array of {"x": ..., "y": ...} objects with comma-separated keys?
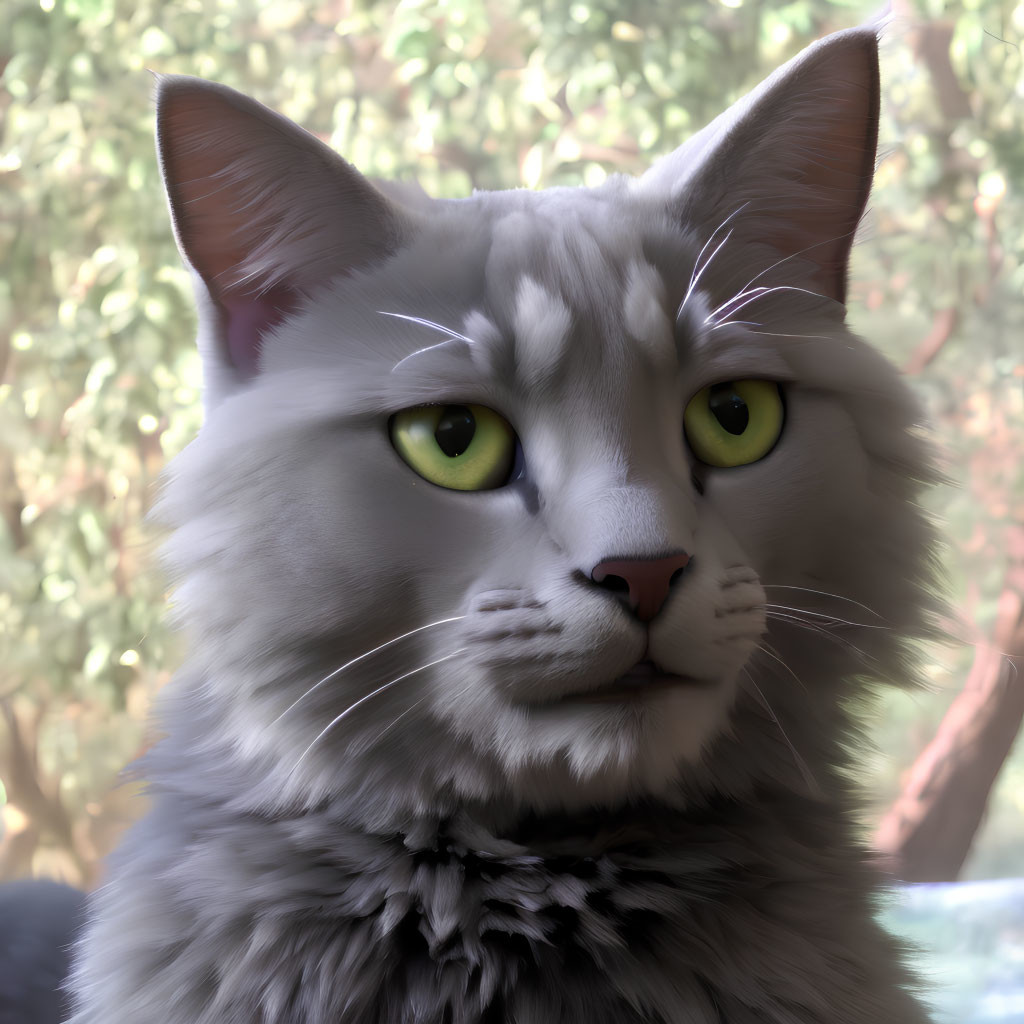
[{"x": 793, "y": 510}]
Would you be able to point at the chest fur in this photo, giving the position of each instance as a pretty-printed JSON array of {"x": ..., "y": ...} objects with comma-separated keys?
[
  {"x": 448, "y": 936},
  {"x": 262, "y": 924},
  {"x": 451, "y": 936}
]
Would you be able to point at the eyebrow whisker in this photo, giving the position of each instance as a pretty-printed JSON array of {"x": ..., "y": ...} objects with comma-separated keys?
[
  {"x": 429, "y": 348},
  {"x": 752, "y": 295},
  {"x": 697, "y": 274},
  {"x": 698, "y": 268},
  {"x": 452, "y": 335}
]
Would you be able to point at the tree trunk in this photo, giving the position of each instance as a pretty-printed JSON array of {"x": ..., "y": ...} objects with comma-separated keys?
[{"x": 927, "y": 833}]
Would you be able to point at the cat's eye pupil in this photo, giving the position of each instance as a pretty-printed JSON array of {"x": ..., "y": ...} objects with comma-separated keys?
[
  {"x": 455, "y": 430},
  {"x": 728, "y": 408}
]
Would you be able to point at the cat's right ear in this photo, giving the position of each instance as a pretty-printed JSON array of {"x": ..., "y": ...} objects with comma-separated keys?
[
  {"x": 263, "y": 213},
  {"x": 786, "y": 171}
]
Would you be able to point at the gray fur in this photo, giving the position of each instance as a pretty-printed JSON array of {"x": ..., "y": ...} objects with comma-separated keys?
[{"x": 436, "y": 831}]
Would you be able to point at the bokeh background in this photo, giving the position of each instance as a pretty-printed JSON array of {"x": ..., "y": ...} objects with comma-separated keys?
[{"x": 100, "y": 384}]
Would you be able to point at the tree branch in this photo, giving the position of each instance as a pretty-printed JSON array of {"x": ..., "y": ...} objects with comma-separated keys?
[
  {"x": 943, "y": 325},
  {"x": 927, "y": 833}
]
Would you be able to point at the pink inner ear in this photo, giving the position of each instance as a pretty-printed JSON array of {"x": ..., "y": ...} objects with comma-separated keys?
[{"x": 249, "y": 317}]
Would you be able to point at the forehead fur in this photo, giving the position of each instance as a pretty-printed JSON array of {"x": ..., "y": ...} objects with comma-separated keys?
[
  {"x": 542, "y": 331},
  {"x": 578, "y": 241},
  {"x": 566, "y": 274}
]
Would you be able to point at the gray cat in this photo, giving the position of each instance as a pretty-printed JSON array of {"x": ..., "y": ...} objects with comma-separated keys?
[{"x": 533, "y": 556}]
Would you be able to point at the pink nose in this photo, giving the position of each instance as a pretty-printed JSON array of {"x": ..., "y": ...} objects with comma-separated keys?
[{"x": 648, "y": 580}]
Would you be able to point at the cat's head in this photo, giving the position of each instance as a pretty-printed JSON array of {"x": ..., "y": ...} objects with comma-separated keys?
[{"x": 552, "y": 498}]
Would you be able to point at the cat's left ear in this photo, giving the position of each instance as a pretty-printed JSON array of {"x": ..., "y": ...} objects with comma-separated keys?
[
  {"x": 264, "y": 213},
  {"x": 788, "y": 168}
]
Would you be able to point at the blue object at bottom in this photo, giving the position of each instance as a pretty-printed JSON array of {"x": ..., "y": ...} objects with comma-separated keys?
[{"x": 971, "y": 938}]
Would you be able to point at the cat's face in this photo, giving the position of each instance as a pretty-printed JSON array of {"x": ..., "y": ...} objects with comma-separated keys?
[{"x": 491, "y": 498}]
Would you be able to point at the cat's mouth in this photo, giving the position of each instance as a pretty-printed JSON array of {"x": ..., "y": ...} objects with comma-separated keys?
[{"x": 643, "y": 680}]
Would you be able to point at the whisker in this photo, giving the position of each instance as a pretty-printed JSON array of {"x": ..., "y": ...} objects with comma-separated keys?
[
  {"x": 429, "y": 323},
  {"x": 1012, "y": 662},
  {"x": 761, "y": 292},
  {"x": 420, "y": 351},
  {"x": 348, "y": 664},
  {"x": 766, "y": 648},
  {"x": 781, "y": 334},
  {"x": 829, "y": 618},
  {"x": 412, "y": 707},
  {"x": 741, "y": 294},
  {"x": 816, "y": 628},
  {"x": 793, "y": 255},
  {"x": 801, "y": 764},
  {"x": 822, "y": 593},
  {"x": 362, "y": 700},
  {"x": 409, "y": 709},
  {"x": 737, "y": 323},
  {"x": 695, "y": 274}
]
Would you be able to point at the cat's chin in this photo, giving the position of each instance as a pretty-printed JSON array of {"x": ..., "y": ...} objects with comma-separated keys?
[
  {"x": 620, "y": 740},
  {"x": 645, "y": 681}
]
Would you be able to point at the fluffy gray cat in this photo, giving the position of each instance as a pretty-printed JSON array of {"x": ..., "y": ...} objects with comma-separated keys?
[{"x": 533, "y": 556}]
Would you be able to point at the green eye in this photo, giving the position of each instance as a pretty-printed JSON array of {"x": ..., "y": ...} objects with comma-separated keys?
[
  {"x": 461, "y": 447},
  {"x": 735, "y": 423}
]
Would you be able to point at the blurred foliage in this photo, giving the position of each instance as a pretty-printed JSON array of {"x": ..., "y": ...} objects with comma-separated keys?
[{"x": 99, "y": 382}]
